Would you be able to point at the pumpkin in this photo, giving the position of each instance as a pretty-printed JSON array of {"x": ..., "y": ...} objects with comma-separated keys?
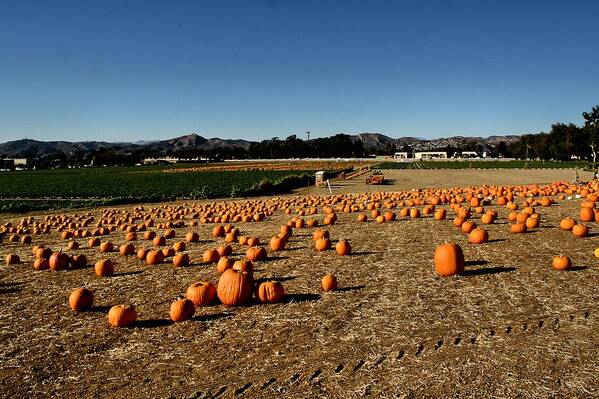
[
  {"x": 142, "y": 253},
  {"x": 567, "y": 223},
  {"x": 223, "y": 264},
  {"x": 518, "y": 228},
  {"x": 218, "y": 231},
  {"x": 320, "y": 233},
  {"x": 362, "y": 217},
  {"x": 210, "y": 256},
  {"x": 561, "y": 262},
  {"x": 93, "y": 242},
  {"x": 322, "y": 244},
  {"x": 343, "y": 247},
  {"x": 234, "y": 287},
  {"x": 458, "y": 221},
  {"x": 159, "y": 241},
  {"x": 468, "y": 226},
  {"x": 181, "y": 260},
  {"x": 253, "y": 241},
  {"x": 122, "y": 315},
  {"x": 256, "y": 254},
  {"x": 72, "y": 245},
  {"x": 43, "y": 253},
  {"x": 201, "y": 293},
  {"x": 81, "y": 299},
  {"x": 487, "y": 218},
  {"x": 106, "y": 247},
  {"x": 58, "y": 261},
  {"x": 380, "y": 219},
  {"x": 449, "y": 259},
  {"x": 154, "y": 257},
  {"x": 329, "y": 283},
  {"x": 580, "y": 230},
  {"x": 478, "y": 236},
  {"x": 587, "y": 214},
  {"x": 224, "y": 250},
  {"x": 532, "y": 222},
  {"x": 181, "y": 310},
  {"x": 179, "y": 246},
  {"x": 168, "y": 252},
  {"x": 127, "y": 249},
  {"x": 104, "y": 268},
  {"x": 414, "y": 213},
  {"x": 244, "y": 265},
  {"x": 277, "y": 244},
  {"x": 596, "y": 252},
  {"x": 440, "y": 214},
  {"x": 131, "y": 236},
  {"x": 192, "y": 236},
  {"x": 41, "y": 264},
  {"x": 149, "y": 235},
  {"x": 521, "y": 217},
  {"x": 270, "y": 292}
]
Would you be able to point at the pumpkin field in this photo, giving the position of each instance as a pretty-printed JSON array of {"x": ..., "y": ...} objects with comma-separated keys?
[{"x": 445, "y": 283}]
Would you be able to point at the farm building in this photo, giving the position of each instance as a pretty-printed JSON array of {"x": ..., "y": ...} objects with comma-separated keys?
[{"x": 431, "y": 155}]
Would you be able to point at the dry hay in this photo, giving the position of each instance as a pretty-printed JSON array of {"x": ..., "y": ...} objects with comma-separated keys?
[{"x": 509, "y": 327}]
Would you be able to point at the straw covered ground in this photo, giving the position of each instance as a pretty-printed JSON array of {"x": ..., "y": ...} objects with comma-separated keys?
[{"x": 510, "y": 326}]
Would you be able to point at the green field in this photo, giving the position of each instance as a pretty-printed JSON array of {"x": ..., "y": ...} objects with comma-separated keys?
[
  {"x": 477, "y": 164},
  {"x": 60, "y": 188}
]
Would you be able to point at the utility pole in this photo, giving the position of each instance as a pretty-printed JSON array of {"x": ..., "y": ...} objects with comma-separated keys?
[{"x": 308, "y": 134}]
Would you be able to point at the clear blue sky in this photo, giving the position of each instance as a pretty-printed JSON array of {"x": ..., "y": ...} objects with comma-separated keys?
[{"x": 129, "y": 70}]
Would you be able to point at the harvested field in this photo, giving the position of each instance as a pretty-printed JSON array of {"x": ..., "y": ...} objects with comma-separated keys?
[{"x": 509, "y": 326}]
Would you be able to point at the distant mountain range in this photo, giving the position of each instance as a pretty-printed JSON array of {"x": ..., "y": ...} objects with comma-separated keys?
[
  {"x": 27, "y": 148},
  {"x": 374, "y": 141}
]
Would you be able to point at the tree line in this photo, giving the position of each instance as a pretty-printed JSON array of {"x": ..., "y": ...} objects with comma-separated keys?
[{"x": 561, "y": 143}]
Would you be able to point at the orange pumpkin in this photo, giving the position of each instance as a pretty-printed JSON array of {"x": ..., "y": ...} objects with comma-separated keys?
[
  {"x": 81, "y": 299},
  {"x": 329, "y": 283},
  {"x": 518, "y": 228},
  {"x": 343, "y": 247},
  {"x": 244, "y": 265},
  {"x": 449, "y": 259},
  {"x": 322, "y": 244},
  {"x": 234, "y": 287},
  {"x": 580, "y": 230},
  {"x": 58, "y": 261},
  {"x": 181, "y": 310},
  {"x": 181, "y": 260},
  {"x": 154, "y": 257},
  {"x": 255, "y": 254},
  {"x": 270, "y": 292},
  {"x": 567, "y": 223},
  {"x": 201, "y": 293},
  {"x": 210, "y": 256},
  {"x": 587, "y": 214},
  {"x": 223, "y": 264},
  {"x": 478, "y": 236},
  {"x": 122, "y": 315},
  {"x": 561, "y": 262},
  {"x": 104, "y": 268}
]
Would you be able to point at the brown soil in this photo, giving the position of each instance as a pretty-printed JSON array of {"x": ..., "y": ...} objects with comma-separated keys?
[{"x": 509, "y": 327}]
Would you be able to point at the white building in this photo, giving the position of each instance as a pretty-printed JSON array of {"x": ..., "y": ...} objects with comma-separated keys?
[
  {"x": 431, "y": 155},
  {"x": 400, "y": 156}
]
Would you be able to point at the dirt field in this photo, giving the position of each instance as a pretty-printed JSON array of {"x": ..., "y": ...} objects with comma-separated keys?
[{"x": 510, "y": 327}]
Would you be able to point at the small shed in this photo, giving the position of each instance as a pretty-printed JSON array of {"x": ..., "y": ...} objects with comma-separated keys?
[{"x": 319, "y": 178}]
